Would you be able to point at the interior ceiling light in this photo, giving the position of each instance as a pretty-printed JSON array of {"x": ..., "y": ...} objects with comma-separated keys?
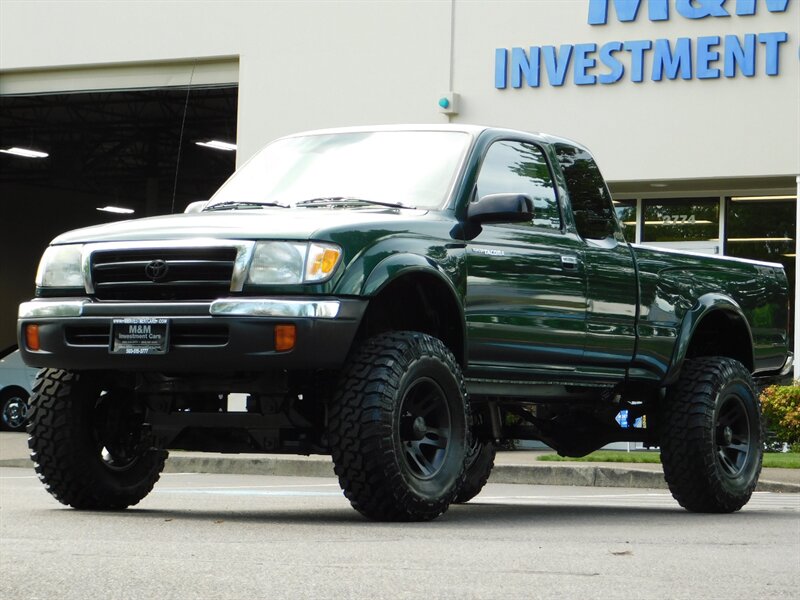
[
  {"x": 27, "y": 153},
  {"x": 658, "y": 185},
  {"x": 753, "y": 198},
  {"x": 762, "y": 239},
  {"x": 217, "y": 145},
  {"x": 116, "y": 209},
  {"x": 671, "y": 223}
]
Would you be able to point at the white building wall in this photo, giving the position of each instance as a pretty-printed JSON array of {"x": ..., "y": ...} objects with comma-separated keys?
[{"x": 305, "y": 65}]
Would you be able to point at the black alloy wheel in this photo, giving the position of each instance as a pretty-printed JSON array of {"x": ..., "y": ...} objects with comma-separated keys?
[
  {"x": 87, "y": 443},
  {"x": 397, "y": 427},
  {"x": 711, "y": 438}
]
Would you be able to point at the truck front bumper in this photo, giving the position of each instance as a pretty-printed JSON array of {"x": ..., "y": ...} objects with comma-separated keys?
[{"x": 228, "y": 334}]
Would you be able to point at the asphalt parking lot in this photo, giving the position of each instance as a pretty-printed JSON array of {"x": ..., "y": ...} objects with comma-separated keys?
[{"x": 238, "y": 536}]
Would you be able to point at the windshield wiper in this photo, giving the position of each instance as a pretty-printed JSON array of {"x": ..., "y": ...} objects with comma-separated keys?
[
  {"x": 348, "y": 200},
  {"x": 234, "y": 204}
]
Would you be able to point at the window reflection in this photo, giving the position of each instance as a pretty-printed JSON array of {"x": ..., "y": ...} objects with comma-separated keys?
[
  {"x": 681, "y": 220},
  {"x": 519, "y": 168},
  {"x": 627, "y": 216},
  {"x": 762, "y": 230}
]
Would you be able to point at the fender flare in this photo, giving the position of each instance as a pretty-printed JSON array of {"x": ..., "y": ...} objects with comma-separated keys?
[
  {"x": 402, "y": 264},
  {"x": 398, "y": 265},
  {"x": 706, "y": 305}
]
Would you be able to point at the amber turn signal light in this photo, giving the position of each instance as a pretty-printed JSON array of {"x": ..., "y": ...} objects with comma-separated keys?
[
  {"x": 32, "y": 337},
  {"x": 285, "y": 337}
]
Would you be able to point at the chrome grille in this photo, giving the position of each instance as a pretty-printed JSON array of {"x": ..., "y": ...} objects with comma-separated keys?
[{"x": 182, "y": 274}]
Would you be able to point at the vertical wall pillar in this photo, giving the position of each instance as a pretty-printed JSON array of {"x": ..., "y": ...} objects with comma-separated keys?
[{"x": 797, "y": 283}]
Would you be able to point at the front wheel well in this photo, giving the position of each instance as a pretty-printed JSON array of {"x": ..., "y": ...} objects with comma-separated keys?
[{"x": 416, "y": 302}]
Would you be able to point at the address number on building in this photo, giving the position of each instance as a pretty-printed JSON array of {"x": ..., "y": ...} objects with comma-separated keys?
[{"x": 139, "y": 336}]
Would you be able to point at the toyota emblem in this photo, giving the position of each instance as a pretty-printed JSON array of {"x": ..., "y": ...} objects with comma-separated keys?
[{"x": 156, "y": 270}]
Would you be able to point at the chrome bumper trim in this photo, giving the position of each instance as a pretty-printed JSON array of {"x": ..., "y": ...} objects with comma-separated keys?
[
  {"x": 788, "y": 366},
  {"x": 51, "y": 308},
  {"x": 224, "y": 307},
  {"x": 268, "y": 307}
]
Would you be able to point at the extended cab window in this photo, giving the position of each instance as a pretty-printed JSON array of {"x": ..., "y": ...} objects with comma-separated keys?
[
  {"x": 588, "y": 194},
  {"x": 520, "y": 168}
]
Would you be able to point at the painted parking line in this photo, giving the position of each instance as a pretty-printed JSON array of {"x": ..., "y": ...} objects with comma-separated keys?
[
  {"x": 247, "y": 492},
  {"x": 759, "y": 500},
  {"x": 284, "y": 490}
]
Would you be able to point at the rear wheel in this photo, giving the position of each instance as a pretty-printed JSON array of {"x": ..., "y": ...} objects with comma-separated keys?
[
  {"x": 711, "y": 438},
  {"x": 398, "y": 428},
  {"x": 87, "y": 443}
]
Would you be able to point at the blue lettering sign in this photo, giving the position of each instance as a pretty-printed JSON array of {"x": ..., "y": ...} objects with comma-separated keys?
[
  {"x": 637, "y": 49},
  {"x": 700, "y": 9},
  {"x": 669, "y": 62},
  {"x": 557, "y": 63},
  {"x": 772, "y": 42},
  {"x": 583, "y": 63},
  {"x": 743, "y": 55},
  {"x": 608, "y": 59},
  {"x": 658, "y": 10},
  {"x": 748, "y": 7},
  {"x": 705, "y": 56},
  {"x": 522, "y": 68},
  {"x": 500, "y": 68}
]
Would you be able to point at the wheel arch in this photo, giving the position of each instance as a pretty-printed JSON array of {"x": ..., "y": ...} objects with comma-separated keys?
[
  {"x": 715, "y": 326},
  {"x": 410, "y": 292}
]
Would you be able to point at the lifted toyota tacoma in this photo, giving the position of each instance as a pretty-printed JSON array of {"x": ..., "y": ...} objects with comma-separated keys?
[{"x": 404, "y": 299}]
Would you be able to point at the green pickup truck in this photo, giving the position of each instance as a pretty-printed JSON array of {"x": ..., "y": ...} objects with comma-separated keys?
[{"x": 405, "y": 299}]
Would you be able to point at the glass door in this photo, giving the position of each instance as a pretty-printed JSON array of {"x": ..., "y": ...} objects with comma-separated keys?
[{"x": 690, "y": 224}]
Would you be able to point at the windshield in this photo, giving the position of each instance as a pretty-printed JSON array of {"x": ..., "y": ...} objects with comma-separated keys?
[{"x": 408, "y": 168}]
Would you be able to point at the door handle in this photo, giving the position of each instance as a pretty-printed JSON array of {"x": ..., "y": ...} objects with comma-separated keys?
[{"x": 569, "y": 262}]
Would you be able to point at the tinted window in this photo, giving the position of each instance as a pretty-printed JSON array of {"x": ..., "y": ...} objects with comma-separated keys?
[
  {"x": 681, "y": 220},
  {"x": 588, "y": 194},
  {"x": 519, "y": 168}
]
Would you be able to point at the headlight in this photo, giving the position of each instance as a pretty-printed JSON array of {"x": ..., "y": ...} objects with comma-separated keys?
[
  {"x": 61, "y": 267},
  {"x": 276, "y": 263}
]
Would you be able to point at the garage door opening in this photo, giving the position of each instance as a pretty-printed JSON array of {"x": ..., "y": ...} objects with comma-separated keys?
[{"x": 72, "y": 160}]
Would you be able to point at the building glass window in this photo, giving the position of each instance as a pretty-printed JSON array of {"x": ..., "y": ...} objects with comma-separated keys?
[
  {"x": 681, "y": 220},
  {"x": 627, "y": 216},
  {"x": 762, "y": 230}
]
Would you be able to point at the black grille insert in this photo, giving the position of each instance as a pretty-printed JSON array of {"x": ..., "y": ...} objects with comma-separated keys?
[
  {"x": 180, "y": 335},
  {"x": 162, "y": 274}
]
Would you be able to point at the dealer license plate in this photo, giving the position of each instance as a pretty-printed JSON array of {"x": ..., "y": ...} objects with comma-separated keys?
[{"x": 139, "y": 336}]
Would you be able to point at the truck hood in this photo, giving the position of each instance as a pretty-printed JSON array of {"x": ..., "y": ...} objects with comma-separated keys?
[{"x": 270, "y": 223}]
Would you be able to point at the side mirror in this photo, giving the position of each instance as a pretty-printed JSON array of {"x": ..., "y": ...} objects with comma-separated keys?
[
  {"x": 501, "y": 208},
  {"x": 195, "y": 207}
]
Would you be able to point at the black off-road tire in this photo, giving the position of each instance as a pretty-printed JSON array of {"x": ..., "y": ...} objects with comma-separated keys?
[
  {"x": 711, "y": 442},
  {"x": 398, "y": 428},
  {"x": 480, "y": 462},
  {"x": 70, "y": 440}
]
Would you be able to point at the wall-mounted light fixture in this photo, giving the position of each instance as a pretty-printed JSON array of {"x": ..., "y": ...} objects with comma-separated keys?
[{"x": 757, "y": 198}]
